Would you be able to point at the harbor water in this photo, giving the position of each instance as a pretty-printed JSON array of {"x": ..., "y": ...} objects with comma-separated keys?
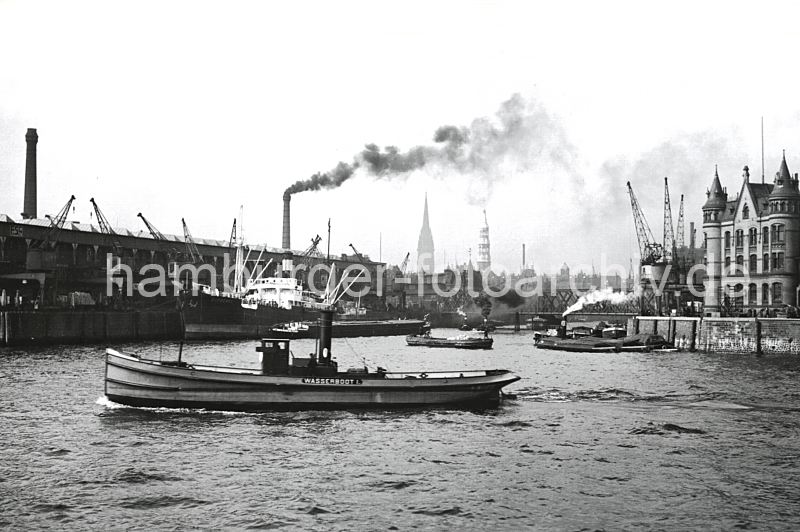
[{"x": 617, "y": 441}]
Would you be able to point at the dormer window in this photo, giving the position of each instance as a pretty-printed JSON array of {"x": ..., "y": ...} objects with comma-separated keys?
[{"x": 746, "y": 212}]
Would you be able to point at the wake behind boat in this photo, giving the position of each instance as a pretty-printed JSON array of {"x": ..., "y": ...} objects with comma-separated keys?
[{"x": 287, "y": 382}]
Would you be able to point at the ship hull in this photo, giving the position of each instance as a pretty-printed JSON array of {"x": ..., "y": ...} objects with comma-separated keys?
[
  {"x": 133, "y": 382},
  {"x": 207, "y": 317},
  {"x": 457, "y": 343}
]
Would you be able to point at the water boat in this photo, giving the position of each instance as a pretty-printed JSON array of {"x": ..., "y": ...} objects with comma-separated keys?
[
  {"x": 287, "y": 382},
  {"x": 458, "y": 342}
]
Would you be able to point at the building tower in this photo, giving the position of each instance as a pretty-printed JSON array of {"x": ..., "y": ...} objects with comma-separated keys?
[
  {"x": 784, "y": 201},
  {"x": 712, "y": 228},
  {"x": 425, "y": 262},
  {"x": 484, "y": 252},
  {"x": 29, "y": 205}
]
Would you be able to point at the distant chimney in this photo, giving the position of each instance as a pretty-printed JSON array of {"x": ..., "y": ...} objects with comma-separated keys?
[
  {"x": 29, "y": 207},
  {"x": 691, "y": 235},
  {"x": 287, "y": 240}
]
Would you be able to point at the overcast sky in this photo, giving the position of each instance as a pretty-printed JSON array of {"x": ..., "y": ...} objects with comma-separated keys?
[{"x": 192, "y": 109}]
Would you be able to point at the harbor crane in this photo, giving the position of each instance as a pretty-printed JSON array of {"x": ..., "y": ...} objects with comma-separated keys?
[
  {"x": 311, "y": 252},
  {"x": 191, "y": 247},
  {"x": 56, "y": 225},
  {"x": 404, "y": 264},
  {"x": 679, "y": 238},
  {"x": 358, "y": 255},
  {"x": 650, "y": 251},
  {"x": 106, "y": 228},
  {"x": 362, "y": 261},
  {"x": 157, "y": 235},
  {"x": 668, "y": 244},
  {"x": 232, "y": 242}
]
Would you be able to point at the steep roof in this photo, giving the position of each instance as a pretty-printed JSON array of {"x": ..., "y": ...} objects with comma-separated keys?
[
  {"x": 785, "y": 186},
  {"x": 716, "y": 195},
  {"x": 760, "y": 193}
]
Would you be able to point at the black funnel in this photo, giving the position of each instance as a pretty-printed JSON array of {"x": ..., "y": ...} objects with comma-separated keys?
[{"x": 325, "y": 334}]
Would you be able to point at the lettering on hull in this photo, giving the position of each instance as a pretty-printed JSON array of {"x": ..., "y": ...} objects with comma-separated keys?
[{"x": 316, "y": 380}]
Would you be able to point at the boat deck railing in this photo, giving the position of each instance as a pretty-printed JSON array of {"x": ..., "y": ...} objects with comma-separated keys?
[
  {"x": 372, "y": 374},
  {"x": 436, "y": 374}
]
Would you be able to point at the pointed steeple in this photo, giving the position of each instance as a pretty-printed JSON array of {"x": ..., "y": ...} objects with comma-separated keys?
[
  {"x": 716, "y": 194},
  {"x": 785, "y": 186},
  {"x": 425, "y": 250},
  {"x": 783, "y": 173}
]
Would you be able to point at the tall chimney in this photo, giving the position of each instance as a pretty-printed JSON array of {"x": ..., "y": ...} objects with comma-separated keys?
[
  {"x": 691, "y": 235},
  {"x": 29, "y": 208},
  {"x": 287, "y": 241}
]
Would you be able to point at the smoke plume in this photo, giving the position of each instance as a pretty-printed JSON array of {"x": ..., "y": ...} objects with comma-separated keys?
[
  {"x": 521, "y": 136},
  {"x": 606, "y": 294}
]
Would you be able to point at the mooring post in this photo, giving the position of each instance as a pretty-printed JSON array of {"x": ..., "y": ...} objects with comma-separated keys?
[
  {"x": 758, "y": 337},
  {"x": 516, "y": 321},
  {"x": 694, "y": 334},
  {"x": 635, "y": 325}
]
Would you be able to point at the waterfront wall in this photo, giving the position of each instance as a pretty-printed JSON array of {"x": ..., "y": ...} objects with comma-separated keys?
[
  {"x": 724, "y": 335},
  {"x": 32, "y": 327},
  {"x": 683, "y": 332}
]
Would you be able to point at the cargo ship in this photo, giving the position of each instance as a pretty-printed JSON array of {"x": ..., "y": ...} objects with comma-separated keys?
[
  {"x": 267, "y": 306},
  {"x": 265, "y": 303}
]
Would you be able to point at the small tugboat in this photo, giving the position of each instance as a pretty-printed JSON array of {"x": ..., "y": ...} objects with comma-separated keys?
[
  {"x": 286, "y": 382},
  {"x": 291, "y": 331}
]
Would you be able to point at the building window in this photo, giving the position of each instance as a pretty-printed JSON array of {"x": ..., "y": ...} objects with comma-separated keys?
[
  {"x": 765, "y": 294},
  {"x": 765, "y": 263},
  {"x": 774, "y": 261},
  {"x": 746, "y": 212},
  {"x": 752, "y": 295},
  {"x": 727, "y": 240},
  {"x": 727, "y": 265},
  {"x": 779, "y": 233},
  {"x": 739, "y": 238},
  {"x": 753, "y": 266},
  {"x": 777, "y": 293},
  {"x": 752, "y": 236},
  {"x": 779, "y": 262},
  {"x": 738, "y": 297},
  {"x": 765, "y": 236}
]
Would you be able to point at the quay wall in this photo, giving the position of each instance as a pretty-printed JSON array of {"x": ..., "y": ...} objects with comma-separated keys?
[
  {"x": 724, "y": 335},
  {"x": 46, "y": 327}
]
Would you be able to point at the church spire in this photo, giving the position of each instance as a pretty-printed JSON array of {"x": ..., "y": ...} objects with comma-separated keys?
[{"x": 425, "y": 249}]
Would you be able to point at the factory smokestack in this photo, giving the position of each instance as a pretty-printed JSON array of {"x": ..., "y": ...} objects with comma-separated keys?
[
  {"x": 29, "y": 207},
  {"x": 287, "y": 217}
]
